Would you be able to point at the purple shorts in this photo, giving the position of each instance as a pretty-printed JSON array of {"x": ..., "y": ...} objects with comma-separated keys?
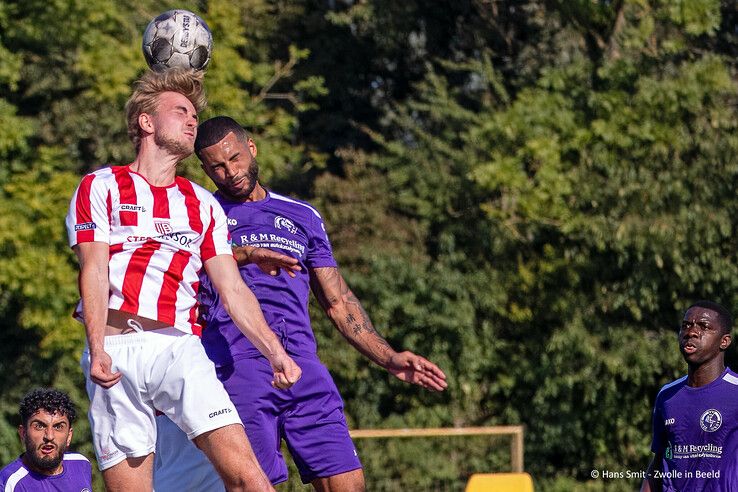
[{"x": 308, "y": 416}]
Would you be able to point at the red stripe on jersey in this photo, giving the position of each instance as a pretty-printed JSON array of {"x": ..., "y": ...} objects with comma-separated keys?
[
  {"x": 109, "y": 206},
  {"x": 135, "y": 273},
  {"x": 127, "y": 191},
  {"x": 191, "y": 202},
  {"x": 166, "y": 305},
  {"x": 83, "y": 209},
  {"x": 207, "y": 249},
  {"x": 161, "y": 202},
  {"x": 196, "y": 328},
  {"x": 115, "y": 249}
]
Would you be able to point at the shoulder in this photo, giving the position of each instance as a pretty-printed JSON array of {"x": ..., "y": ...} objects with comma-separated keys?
[
  {"x": 299, "y": 207},
  {"x": 731, "y": 378},
  {"x": 12, "y": 474},
  {"x": 102, "y": 177},
  {"x": 190, "y": 188},
  {"x": 75, "y": 457},
  {"x": 670, "y": 389}
]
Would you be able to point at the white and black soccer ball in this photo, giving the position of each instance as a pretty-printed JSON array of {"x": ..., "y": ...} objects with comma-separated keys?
[{"x": 177, "y": 39}]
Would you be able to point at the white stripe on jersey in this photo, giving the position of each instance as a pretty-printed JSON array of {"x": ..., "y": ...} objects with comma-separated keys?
[
  {"x": 730, "y": 378},
  {"x": 290, "y": 200},
  {"x": 75, "y": 457},
  {"x": 16, "y": 477}
]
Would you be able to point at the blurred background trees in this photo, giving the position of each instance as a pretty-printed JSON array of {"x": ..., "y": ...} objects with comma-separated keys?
[{"x": 530, "y": 193}]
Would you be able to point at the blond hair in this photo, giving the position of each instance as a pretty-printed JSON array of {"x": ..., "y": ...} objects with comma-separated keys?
[{"x": 151, "y": 85}]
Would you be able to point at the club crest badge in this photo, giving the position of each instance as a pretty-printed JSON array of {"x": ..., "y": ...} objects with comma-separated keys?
[{"x": 711, "y": 420}]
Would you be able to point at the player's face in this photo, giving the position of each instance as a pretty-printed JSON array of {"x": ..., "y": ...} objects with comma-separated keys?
[
  {"x": 232, "y": 166},
  {"x": 701, "y": 338},
  {"x": 175, "y": 124},
  {"x": 46, "y": 437}
]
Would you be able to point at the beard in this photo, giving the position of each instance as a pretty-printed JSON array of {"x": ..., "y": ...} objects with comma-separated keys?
[
  {"x": 175, "y": 147},
  {"x": 252, "y": 176},
  {"x": 44, "y": 463}
]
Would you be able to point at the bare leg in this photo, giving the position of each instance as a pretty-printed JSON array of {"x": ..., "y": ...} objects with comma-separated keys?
[
  {"x": 352, "y": 481},
  {"x": 229, "y": 451},
  {"x": 131, "y": 474}
]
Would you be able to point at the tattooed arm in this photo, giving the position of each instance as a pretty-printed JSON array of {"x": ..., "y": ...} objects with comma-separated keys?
[{"x": 348, "y": 315}]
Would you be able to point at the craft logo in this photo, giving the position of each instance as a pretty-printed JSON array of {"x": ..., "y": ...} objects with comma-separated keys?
[
  {"x": 231, "y": 222},
  {"x": 85, "y": 226},
  {"x": 282, "y": 223},
  {"x": 162, "y": 226},
  {"x": 711, "y": 420},
  {"x": 127, "y": 207}
]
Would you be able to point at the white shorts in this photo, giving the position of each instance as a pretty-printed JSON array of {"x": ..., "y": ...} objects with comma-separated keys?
[
  {"x": 179, "y": 465},
  {"x": 166, "y": 370}
]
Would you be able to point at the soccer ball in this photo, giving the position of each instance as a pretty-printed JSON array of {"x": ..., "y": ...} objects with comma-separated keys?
[{"x": 177, "y": 39}]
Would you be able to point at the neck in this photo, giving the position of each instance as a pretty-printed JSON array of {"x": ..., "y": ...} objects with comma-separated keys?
[
  {"x": 258, "y": 193},
  {"x": 157, "y": 165},
  {"x": 706, "y": 373},
  {"x": 42, "y": 471}
]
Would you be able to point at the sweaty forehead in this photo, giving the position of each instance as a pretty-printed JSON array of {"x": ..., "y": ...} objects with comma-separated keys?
[
  {"x": 699, "y": 312},
  {"x": 227, "y": 146}
]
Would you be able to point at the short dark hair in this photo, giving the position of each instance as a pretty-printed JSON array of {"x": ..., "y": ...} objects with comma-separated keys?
[
  {"x": 49, "y": 399},
  {"x": 725, "y": 320},
  {"x": 212, "y": 131}
]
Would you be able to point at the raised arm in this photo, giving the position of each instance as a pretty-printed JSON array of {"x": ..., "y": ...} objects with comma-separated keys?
[
  {"x": 348, "y": 315},
  {"x": 93, "y": 286},
  {"x": 243, "y": 308}
]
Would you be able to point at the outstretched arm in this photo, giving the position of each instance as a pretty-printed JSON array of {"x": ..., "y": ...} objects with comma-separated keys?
[
  {"x": 243, "y": 308},
  {"x": 93, "y": 288},
  {"x": 348, "y": 315}
]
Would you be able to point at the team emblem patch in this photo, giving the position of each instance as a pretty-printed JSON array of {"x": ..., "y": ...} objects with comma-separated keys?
[
  {"x": 283, "y": 223},
  {"x": 86, "y": 226},
  {"x": 711, "y": 420},
  {"x": 162, "y": 226}
]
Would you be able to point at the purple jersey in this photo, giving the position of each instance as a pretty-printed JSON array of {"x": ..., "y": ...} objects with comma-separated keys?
[
  {"x": 285, "y": 225},
  {"x": 76, "y": 476},
  {"x": 695, "y": 433}
]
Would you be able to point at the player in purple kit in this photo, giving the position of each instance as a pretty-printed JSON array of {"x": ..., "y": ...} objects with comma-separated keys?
[
  {"x": 309, "y": 416},
  {"x": 47, "y": 416},
  {"x": 695, "y": 418}
]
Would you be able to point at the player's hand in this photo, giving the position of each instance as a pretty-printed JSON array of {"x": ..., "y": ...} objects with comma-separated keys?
[
  {"x": 101, "y": 370},
  {"x": 411, "y": 368},
  {"x": 286, "y": 372},
  {"x": 270, "y": 262}
]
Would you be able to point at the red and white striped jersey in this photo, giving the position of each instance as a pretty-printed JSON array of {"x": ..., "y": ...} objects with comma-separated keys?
[{"x": 159, "y": 238}]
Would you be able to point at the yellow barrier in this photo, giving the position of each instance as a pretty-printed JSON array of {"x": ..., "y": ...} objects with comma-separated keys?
[
  {"x": 499, "y": 482},
  {"x": 516, "y": 431}
]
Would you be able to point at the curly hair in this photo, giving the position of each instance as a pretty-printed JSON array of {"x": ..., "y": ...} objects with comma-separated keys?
[
  {"x": 151, "y": 85},
  {"x": 49, "y": 399}
]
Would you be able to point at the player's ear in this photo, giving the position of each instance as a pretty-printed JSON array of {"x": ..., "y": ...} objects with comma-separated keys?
[
  {"x": 69, "y": 437},
  {"x": 146, "y": 122},
  {"x": 252, "y": 147},
  {"x": 22, "y": 432},
  {"x": 725, "y": 341}
]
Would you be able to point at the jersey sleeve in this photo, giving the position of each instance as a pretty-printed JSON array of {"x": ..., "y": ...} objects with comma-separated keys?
[
  {"x": 657, "y": 440},
  {"x": 88, "y": 218},
  {"x": 320, "y": 253},
  {"x": 217, "y": 239}
]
